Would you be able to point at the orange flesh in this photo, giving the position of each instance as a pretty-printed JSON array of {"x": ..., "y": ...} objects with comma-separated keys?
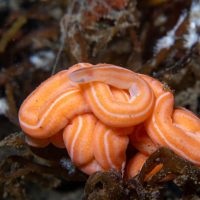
[
  {"x": 56, "y": 140},
  {"x": 78, "y": 139},
  {"x": 109, "y": 147},
  {"x": 48, "y": 109},
  {"x": 98, "y": 107},
  {"x": 142, "y": 142},
  {"x": 135, "y": 165},
  {"x": 154, "y": 171},
  {"x": 100, "y": 98},
  {"x": 177, "y": 135}
]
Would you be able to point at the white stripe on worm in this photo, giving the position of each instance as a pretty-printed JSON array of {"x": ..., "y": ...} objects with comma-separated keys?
[
  {"x": 106, "y": 145},
  {"x": 47, "y": 112},
  {"x": 194, "y": 135},
  {"x": 101, "y": 107},
  {"x": 173, "y": 147},
  {"x": 80, "y": 124}
]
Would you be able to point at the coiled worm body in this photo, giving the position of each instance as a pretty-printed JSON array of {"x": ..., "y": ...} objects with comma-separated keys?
[
  {"x": 178, "y": 130},
  {"x": 100, "y": 98},
  {"x": 142, "y": 142},
  {"x": 48, "y": 109},
  {"x": 95, "y": 111}
]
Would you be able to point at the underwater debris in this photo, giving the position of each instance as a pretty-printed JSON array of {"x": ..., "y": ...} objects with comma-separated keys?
[
  {"x": 104, "y": 185},
  {"x": 89, "y": 26},
  {"x": 183, "y": 172},
  {"x": 189, "y": 98},
  {"x": 192, "y": 35},
  {"x": 185, "y": 176},
  {"x": 20, "y": 164},
  {"x": 168, "y": 40},
  {"x": 9, "y": 35},
  {"x": 174, "y": 51},
  {"x": 17, "y": 167}
]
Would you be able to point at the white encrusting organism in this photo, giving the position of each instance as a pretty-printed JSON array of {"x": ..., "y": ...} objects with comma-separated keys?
[
  {"x": 168, "y": 40},
  {"x": 194, "y": 22},
  {"x": 3, "y": 106}
]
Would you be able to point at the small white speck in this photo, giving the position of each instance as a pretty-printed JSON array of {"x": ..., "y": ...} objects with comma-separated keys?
[
  {"x": 3, "y": 106},
  {"x": 43, "y": 60},
  {"x": 67, "y": 164}
]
